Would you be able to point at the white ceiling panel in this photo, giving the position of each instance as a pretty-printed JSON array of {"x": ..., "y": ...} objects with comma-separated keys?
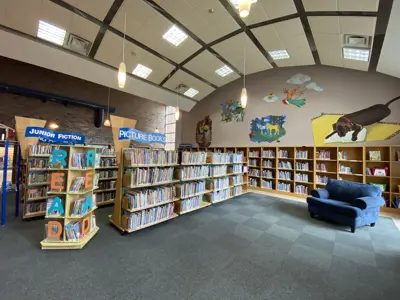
[
  {"x": 148, "y": 27},
  {"x": 324, "y": 25},
  {"x": 264, "y": 10},
  {"x": 233, "y": 51},
  {"x": 206, "y": 64},
  {"x": 287, "y": 35},
  {"x": 110, "y": 52},
  {"x": 95, "y": 8},
  {"x": 357, "y": 25},
  {"x": 182, "y": 77},
  {"x": 341, "y": 5},
  {"x": 196, "y": 17}
]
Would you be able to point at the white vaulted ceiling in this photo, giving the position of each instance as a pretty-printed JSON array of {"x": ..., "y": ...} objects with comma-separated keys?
[{"x": 311, "y": 31}]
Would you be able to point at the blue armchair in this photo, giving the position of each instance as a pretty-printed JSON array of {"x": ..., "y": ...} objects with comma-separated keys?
[{"x": 348, "y": 203}]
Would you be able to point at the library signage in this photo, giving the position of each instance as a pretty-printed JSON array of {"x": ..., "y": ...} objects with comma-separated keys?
[
  {"x": 141, "y": 137},
  {"x": 52, "y": 137}
]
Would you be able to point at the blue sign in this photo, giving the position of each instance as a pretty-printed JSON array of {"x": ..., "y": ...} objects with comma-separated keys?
[
  {"x": 52, "y": 137},
  {"x": 141, "y": 137}
]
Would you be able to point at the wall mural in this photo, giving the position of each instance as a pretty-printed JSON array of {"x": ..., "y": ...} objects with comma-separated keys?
[
  {"x": 360, "y": 126},
  {"x": 204, "y": 132},
  {"x": 271, "y": 98},
  {"x": 232, "y": 111},
  {"x": 295, "y": 96},
  {"x": 267, "y": 129}
]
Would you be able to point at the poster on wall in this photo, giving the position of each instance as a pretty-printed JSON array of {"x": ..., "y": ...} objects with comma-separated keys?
[
  {"x": 364, "y": 125},
  {"x": 267, "y": 129},
  {"x": 232, "y": 111},
  {"x": 204, "y": 132}
]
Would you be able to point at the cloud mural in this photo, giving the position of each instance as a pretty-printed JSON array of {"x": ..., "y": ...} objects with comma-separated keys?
[
  {"x": 298, "y": 79},
  {"x": 314, "y": 86}
]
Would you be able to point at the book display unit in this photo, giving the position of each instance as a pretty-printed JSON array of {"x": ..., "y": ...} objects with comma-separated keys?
[
  {"x": 106, "y": 175},
  {"x": 296, "y": 171}
]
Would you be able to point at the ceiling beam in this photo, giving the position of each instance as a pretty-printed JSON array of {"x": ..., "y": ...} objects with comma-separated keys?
[
  {"x": 232, "y": 11},
  {"x": 103, "y": 29},
  {"x": 382, "y": 21},
  {"x": 307, "y": 30}
]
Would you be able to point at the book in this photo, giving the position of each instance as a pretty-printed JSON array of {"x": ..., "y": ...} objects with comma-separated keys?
[{"x": 375, "y": 155}]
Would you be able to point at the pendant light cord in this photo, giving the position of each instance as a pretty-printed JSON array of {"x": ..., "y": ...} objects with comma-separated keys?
[
  {"x": 123, "y": 42},
  {"x": 108, "y": 104},
  {"x": 244, "y": 64}
]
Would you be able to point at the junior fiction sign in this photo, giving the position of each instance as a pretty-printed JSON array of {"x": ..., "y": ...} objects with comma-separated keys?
[
  {"x": 141, "y": 137},
  {"x": 52, "y": 137}
]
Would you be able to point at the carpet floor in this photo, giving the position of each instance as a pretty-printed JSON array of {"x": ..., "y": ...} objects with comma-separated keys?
[{"x": 250, "y": 247}]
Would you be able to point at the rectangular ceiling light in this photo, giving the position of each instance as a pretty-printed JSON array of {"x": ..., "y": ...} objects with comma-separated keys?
[
  {"x": 235, "y": 3},
  {"x": 175, "y": 36},
  {"x": 142, "y": 71},
  {"x": 191, "y": 93},
  {"x": 279, "y": 54},
  {"x": 356, "y": 54},
  {"x": 51, "y": 33},
  {"x": 224, "y": 71}
]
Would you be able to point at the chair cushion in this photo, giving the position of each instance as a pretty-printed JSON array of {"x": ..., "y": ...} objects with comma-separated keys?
[
  {"x": 333, "y": 206},
  {"x": 349, "y": 191}
]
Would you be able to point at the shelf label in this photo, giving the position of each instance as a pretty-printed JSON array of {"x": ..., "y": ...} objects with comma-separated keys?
[
  {"x": 52, "y": 137},
  {"x": 141, "y": 137}
]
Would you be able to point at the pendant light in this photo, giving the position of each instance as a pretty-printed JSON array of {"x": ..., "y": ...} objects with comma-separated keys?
[
  {"x": 243, "y": 97},
  {"x": 177, "y": 107},
  {"x": 107, "y": 120},
  {"x": 122, "y": 66},
  {"x": 244, "y": 8}
]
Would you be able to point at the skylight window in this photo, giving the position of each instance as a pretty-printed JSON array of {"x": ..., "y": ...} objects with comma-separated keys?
[
  {"x": 51, "y": 33},
  {"x": 142, "y": 71},
  {"x": 279, "y": 54},
  {"x": 175, "y": 36},
  {"x": 224, "y": 71},
  {"x": 235, "y": 3},
  {"x": 356, "y": 54},
  {"x": 191, "y": 93}
]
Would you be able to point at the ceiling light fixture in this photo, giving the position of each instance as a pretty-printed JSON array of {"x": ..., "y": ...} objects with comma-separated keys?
[
  {"x": 107, "y": 122},
  {"x": 51, "y": 33},
  {"x": 53, "y": 126},
  {"x": 244, "y": 8},
  {"x": 279, "y": 54},
  {"x": 191, "y": 92},
  {"x": 235, "y": 3},
  {"x": 356, "y": 54},
  {"x": 122, "y": 66},
  {"x": 142, "y": 71},
  {"x": 243, "y": 96},
  {"x": 224, "y": 71},
  {"x": 177, "y": 107},
  {"x": 175, "y": 36}
]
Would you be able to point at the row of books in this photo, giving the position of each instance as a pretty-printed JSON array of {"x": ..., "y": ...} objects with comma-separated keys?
[
  {"x": 78, "y": 207},
  {"x": 267, "y": 174},
  {"x": 238, "y": 169},
  {"x": 301, "y": 154},
  {"x": 107, "y": 151},
  {"x": 268, "y": 153},
  {"x": 141, "y": 176},
  {"x": 220, "y": 195},
  {"x": 283, "y": 154},
  {"x": 191, "y": 203},
  {"x": 41, "y": 149},
  {"x": 322, "y": 168},
  {"x": 322, "y": 179},
  {"x": 193, "y": 172},
  {"x": 78, "y": 184},
  {"x": 267, "y": 184},
  {"x": 35, "y": 178},
  {"x": 285, "y": 187},
  {"x": 104, "y": 197},
  {"x": 253, "y": 162},
  {"x": 237, "y": 179},
  {"x": 253, "y": 182},
  {"x": 285, "y": 175},
  {"x": 79, "y": 160},
  {"x": 220, "y": 183},
  {"x": 342, "y": 155},
  {"x": 237, "y": 190},
  {"x": 35, "y": 207},
  {"x": 146, "y": 217},
  {"x": 268, "y": 164},
  {"x": 73, "y": 230},
  {"x": 254, "y": 153},
  {"x": 37, "y": 193},
  {"x": 218, "y": 170},
  {"x": 146, "y": 197},
  {"x": 191, "y": 188},
  {"x": 194, "y": 157},
  {"x": 108, "y": 174},
  {"x": 107, "y": 185},
  {"x": 38, "y": 163},
  {"x": 301, "y": 189},
  {"x": 344, "y": 169},
  {"x": 301, "y": 177},
  {"x": 302, "y": 166},
  {"x": 285, "y": 165},
  {"x": 108, "y": 162},
  {"x": 323, "y": 154},
  {"x": 254, "y": 172},
  {"x": 143, "y": 156}
]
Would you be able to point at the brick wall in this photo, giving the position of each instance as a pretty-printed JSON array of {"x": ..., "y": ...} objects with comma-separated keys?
[{"x": 78, "y": 119}]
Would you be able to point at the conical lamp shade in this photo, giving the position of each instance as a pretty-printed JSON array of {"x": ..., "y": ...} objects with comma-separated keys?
[
  {"x": 121, "y": 75},
  {"x": 156, "y": 130},
  {"x": 107, "y": 123},
  {"x": 177, "y": 113},
  {"x": 243, "y": 98},
  {"x": 244, "y": 8}
]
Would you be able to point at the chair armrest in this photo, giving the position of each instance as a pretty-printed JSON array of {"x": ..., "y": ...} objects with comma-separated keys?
[
  {"x": 320, "y": 193},
  {"x": 368, "y": 202}
]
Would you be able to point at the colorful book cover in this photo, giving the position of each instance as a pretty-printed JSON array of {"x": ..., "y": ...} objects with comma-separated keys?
[{"x": 375, "y": 155}]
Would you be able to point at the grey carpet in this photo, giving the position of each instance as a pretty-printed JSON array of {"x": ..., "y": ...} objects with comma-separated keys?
[{"x": 251, "y": 247}]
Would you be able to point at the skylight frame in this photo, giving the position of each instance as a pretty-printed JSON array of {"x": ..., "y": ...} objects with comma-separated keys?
[
  {"x": 51, "y": 33},
  {"x": 175, "y": 36},
  {"x": 350, "y": 53},
  {"x": 279, "y": 54},
  {"x": 142, "y": 71},
  {"x": 224, "y": 71},
  {"x": 191, "y": 92}
]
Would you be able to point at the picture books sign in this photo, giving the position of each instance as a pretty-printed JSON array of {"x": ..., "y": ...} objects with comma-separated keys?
[
  {"x": 141, "y": 137},
  {"x": 52, "y": 137}
]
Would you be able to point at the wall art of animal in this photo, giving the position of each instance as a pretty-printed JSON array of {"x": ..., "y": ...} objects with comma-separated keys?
[
  {"x": 204, "y": 132},
  {"x": 267, "y": 129},
  {"x": 232, "y": 111}
]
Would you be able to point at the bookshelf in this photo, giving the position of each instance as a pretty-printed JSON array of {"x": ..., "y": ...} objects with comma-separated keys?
[
  {"x": 296, "y": 171},
  {"x": 70, "y": 203},
  {"x": 106, "y": 175}
]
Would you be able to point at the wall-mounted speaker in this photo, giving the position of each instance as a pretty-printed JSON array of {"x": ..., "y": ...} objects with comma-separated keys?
[{"x": 98, "y": 117}]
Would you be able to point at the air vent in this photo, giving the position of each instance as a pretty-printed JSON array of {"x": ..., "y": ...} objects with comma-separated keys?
[
  {"x": 77, "y": 44},
  {"x": 182, "y": 88},
  {"x": 356, "y": 41}
]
